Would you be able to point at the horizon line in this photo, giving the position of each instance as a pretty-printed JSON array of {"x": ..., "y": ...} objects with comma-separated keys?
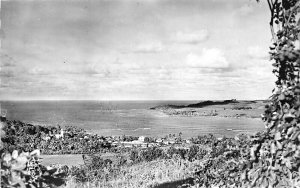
[{"x": 2, "y": 100}]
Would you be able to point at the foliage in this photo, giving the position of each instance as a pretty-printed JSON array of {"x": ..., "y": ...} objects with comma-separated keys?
[
  {"x": 181, "y": 152},
  {"x": 275, "y": 155},
  {"x": 94, "y": 169},
  {"x": 223, "y": 165},
  {"x": 205, "y": 140},
  {"x": 148, "y": 154},
  {"x": 141, "y": 175},
  {"x": 196, "y": 153},
  {"x": 25, "y": 170},
  {"x": 151, "y": 154},
  {"x": 25, "y": 137}
]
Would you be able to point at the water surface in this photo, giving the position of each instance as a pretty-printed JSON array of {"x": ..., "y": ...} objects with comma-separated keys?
[{"x": 125, "y": 117}]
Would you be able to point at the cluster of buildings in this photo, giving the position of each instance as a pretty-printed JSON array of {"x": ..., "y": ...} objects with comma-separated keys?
[
  {"x": 115, "y": 141},
  {"x": 141, "y": 142}
]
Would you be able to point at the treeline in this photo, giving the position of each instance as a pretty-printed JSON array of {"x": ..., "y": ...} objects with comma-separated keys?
[
  {"x": 20, "y": 163},
  {"x": 26, "y": 137}
]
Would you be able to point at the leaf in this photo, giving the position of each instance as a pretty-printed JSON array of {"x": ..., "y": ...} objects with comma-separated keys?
[
  {"x": 273, "y": 148},
  {"x": 16, "y": 180},
  {"x": 281, "y": 97},
  {"x": 244, "y": 175},
  {"x": 290, "y": 131},
  {"x": 289, "y": 117},
  {"x": 19, "y": 164},
  {"x": 279, "y": 145},
  {"x": 295, "y": 135},
  {"x": 288, "y": 164},
  {"x": 15, "y": 154},
  {"x": 254, "y": 180},
  {"x": 7, "y": 158},
  {"x": 52, "y": 171},
  {"x": 25, "y": 154},
  {"x": 35, "y": 152},
  {"x": 277, "y": 136}
]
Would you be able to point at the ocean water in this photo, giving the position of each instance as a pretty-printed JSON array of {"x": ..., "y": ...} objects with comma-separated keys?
[{"x": 125, "y": 118}]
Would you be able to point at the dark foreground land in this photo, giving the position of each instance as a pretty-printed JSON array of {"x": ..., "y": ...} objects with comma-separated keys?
[
  {"x": 126, "y": 161},
  {"x": 93, "y": 160}
]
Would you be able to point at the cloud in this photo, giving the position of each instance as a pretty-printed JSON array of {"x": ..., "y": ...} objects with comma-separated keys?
[
  {"x": 257, "y": 52},
  {"x": 208, "y": 58},
  {"x": 191, "y": 37},
  {"x": 39, "y": 71},
  {"x": 6, "y": 61},
  {"x": 161, "y": 58},
  {"x": 152, "y": 47},
  {"x": 8, "y": 66},
  {"x": 245, "y": 10},
  {"x": 6, "y": 74}
]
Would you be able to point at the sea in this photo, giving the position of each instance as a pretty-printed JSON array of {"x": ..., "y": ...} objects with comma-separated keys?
[{"x": 116, "y": 118}]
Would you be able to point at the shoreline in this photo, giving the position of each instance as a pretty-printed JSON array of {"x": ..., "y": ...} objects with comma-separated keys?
[{"x": 226, "y": 109}]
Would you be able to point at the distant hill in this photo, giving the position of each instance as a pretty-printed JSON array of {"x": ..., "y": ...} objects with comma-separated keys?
[{"x": 197, "y": 105}]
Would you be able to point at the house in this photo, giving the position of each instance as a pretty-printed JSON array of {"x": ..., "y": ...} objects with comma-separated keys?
[
  {"x": 60, "y": 135},
  {"x": 141, "y": 139},
  {"x": 172, "y": 141}
]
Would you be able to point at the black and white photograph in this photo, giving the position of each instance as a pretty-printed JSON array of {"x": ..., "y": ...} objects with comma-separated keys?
[{"x": 150, "y": 93}]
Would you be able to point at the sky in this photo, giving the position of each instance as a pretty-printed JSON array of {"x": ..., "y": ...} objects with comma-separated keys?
[{"x": 135, "y": 50}]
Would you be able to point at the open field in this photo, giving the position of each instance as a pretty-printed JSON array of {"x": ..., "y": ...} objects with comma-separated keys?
[{"x": 71, "y": 159}]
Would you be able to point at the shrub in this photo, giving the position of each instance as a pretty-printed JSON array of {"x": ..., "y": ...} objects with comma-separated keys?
[
  {"x": 25, "y": 170},
  {"x": 177, "y": 151},
  {"x": 196, "y": 153},
  {"x": 134, "y": 155},
  {"x": 151, "y": 154}
]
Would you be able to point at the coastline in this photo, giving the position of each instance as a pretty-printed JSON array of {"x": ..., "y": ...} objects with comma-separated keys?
[{"x": 226, "y": 109}]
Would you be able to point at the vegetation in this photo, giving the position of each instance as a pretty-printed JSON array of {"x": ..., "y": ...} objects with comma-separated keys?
[
  {"x": 25, "y": 137},
  {"x": 24, "y": 169},
  {"x": 204, "y": 162},
  {"x": 266, "y": 159},
  {"x": 275, "y": 155},
  {"x": 197, "y": 105}
]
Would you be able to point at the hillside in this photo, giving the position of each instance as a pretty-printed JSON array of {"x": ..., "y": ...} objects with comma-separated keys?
[{"x": 226, "y": 108}]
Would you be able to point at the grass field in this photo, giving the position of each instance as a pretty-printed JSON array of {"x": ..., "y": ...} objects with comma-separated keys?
[
  {"x": 70, "y": 159},
  {"x": 159, "y": 173}
]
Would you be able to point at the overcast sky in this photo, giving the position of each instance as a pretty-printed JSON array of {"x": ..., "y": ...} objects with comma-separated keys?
[{"x": 131, "y": 49}]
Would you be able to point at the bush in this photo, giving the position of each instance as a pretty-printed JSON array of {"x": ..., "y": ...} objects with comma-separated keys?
[
  {"x": 25, "y": 170},
  {"x": 151, "y": 154},
  {"x": 177, "y": 151},
  {"x": 196, "y": 153},
  {"x": 134, "y": 155}
]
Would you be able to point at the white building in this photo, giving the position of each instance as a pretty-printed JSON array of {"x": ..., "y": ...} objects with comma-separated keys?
[{"x": 141, "y": 139}]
